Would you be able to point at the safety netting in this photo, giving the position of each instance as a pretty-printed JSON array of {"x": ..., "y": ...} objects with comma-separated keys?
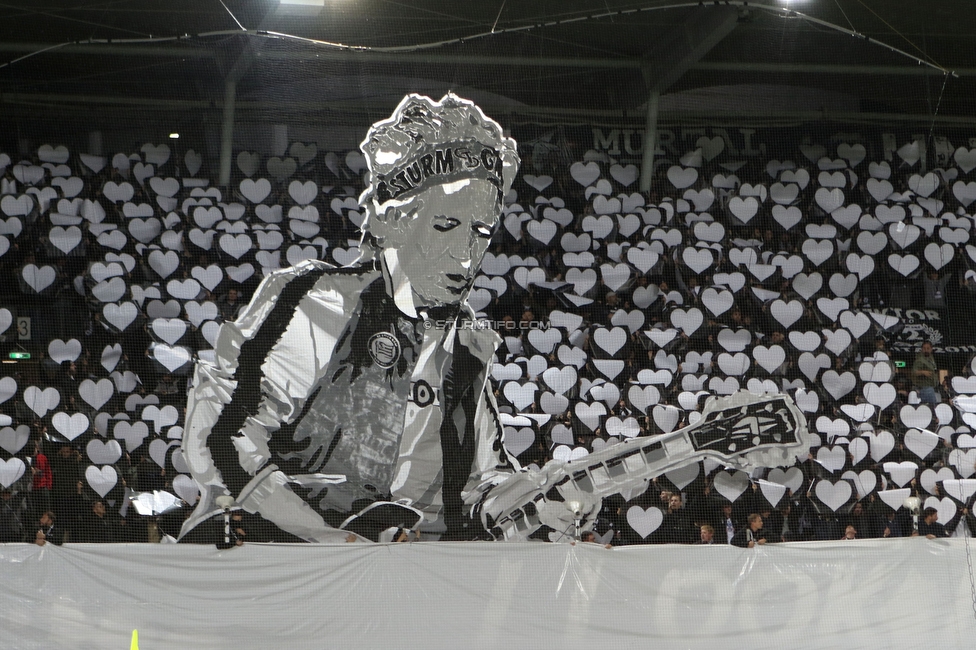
[{"x": 625, "y": 275}]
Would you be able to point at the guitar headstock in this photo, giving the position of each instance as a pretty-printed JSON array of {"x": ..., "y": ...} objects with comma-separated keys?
[{"x": 750, "y": 429}]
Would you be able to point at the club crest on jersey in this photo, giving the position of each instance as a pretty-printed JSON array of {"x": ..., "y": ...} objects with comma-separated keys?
[{"x": 384, "y": 348}]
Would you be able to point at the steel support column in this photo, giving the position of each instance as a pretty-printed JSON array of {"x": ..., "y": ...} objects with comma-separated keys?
[{"x": 227, "y": 132}]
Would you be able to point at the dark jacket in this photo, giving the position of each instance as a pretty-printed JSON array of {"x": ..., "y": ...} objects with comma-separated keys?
[
  {"x": 100, "y": 530},
  {"x": 741, "y": 538},
  {"x": 11, "y": 528},
  {"x": 719, "y": 523},
  {"x": 53, "y": 534},
  {"x": 675, "y": 529},
  {"x": 935, "y": 528}
]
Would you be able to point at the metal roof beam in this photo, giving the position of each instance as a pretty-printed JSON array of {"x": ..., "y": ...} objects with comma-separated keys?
[
  {"x": 174, "y": 51},
  {"x": 430, "y": 58},
  {"x": 672, "y": 57},
  {"x": 537, "y": 114},
  {"x": 821, "y": 68}
]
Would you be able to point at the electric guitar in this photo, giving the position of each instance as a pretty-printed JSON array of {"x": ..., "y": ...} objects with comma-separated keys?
[{"x": 743, "y": 430}]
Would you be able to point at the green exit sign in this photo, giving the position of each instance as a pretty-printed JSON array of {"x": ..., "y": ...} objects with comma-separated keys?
[
  {"x": 19, "y": 355},
  {"x": 901, "y": 364}
]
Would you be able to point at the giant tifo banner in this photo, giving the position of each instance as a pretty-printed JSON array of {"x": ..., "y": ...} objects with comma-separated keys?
[
  {"x": 451, "y": 335},
  {"x": 485, "y": 595}
]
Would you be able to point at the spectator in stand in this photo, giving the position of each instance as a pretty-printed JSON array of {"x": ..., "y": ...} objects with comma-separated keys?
[
  {"x": 867, "y": 524},
  {"x": 238, "y": 533},
  {"x": 706, "y": 534},
  {"x": 727, "y": 523},
  {"x": 77, "y": 506},
  {"x": 101, "y": 527},
  {"x": 589, "y": 537},
  {"x": 11, "y": 527},
  {"x": 67, "y": 468},
  {"x": 751, "y": 535},
  {"x": 881, "y": 345},
  {"x": 929, "y": 526},
  {"x": 849, "y": 533},
  {"x": 933, "y": 288},
  {"x": 149, "y": 476},
  {"x": 965, "y": 514},
  {"x": 167, "y": 386},
  {"x": 773, "y": 523},
  {"x": 47, "y": 531},
  {"x": 42, "y": 483},
  {"x": 229, "y": 305},
  {"x": 676, "y": 526},
  {"x": 925, "y": 375},
  {"x": 893, "y": 525},
  {"x": 170, "y": 391},
  {"x": 791, "y": 523},
  {"x": 777, "y": 337}
]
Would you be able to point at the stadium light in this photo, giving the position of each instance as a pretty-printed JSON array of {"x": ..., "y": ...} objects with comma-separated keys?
[{"x": 300, "y": 7}]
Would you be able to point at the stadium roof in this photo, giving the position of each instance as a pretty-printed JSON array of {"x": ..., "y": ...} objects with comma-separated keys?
[{"x": 543, "y": 59}]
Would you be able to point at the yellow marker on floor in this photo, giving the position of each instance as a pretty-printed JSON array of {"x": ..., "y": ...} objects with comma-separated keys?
[{"x": 135, "y": 640}]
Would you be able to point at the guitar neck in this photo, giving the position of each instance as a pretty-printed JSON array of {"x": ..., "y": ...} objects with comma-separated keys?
[
  {"x": 626, "y": 464},
  {"x": 728, "y": 433},
  {"x": 743, "y": 430}
]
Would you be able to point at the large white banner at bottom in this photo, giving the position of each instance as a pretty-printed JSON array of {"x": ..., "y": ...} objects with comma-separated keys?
[{"x": 910, "y": 593}]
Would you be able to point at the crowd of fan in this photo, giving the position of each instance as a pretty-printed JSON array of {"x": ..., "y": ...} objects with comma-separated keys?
[
  {"x": 56, "y": 508},
  {"x": 54, "y": 502}
]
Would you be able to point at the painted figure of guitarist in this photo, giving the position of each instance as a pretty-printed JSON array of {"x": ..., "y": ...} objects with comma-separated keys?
[{"x": 334, "y": 394}]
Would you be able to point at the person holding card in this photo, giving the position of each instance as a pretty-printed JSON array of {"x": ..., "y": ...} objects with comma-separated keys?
[{"x": 925, "y": 375}]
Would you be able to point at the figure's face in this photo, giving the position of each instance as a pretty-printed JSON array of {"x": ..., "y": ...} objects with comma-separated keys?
[
  {"x": 927, "y": 349},
  {"x": 441, "y": 236},
  {"x": 706, "y": 535},
  {"x": 99, "y": 509},
  {"x": 45, "y": 520}
]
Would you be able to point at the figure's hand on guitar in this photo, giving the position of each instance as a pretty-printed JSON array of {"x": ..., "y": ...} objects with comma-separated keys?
[{"x": 527, "y": 500}]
